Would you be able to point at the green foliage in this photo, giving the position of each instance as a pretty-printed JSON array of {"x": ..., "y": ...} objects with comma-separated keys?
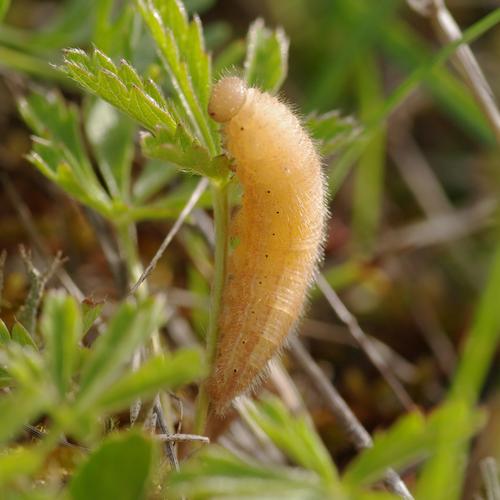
[
  {"x": 160, "y": 371},
  {"x": 181, "y": 48},
  {"x": 121, "y": 86},
  {"x": 266, "y": 62},
  {"x": 333, "y": 131},
  {"x": 150, "y": 69},
  {"x": 4, "y": 333},
  {"x": 20, "y": 335},
  {"x": 120, "y": 468},
  {"x": 296, "y": 437},
  {"x": 412, "y": 439},
  {"x": 131, "y": 326},
  {"x": 475, "y": 361},
  {"x": 215, "y": 473},
  {"x": 77, "y": 391},
  {"x": 111, "y": 136},
  {"x": 58, "y": 150},
  {"x": 61, "y": 328},
  {"x": 4, "y": 7}
]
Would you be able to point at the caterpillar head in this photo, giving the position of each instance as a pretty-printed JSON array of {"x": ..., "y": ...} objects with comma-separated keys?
[{"x": 228, "y": 97}]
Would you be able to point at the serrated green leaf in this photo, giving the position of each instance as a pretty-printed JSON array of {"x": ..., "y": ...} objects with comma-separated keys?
[
  {"x": 266, "y": 62},
  {"x": 22, "y": 336},
  {"x": 56, "y": 121},
  {"x": 159, "y": 373},
  {"x": 332, "y": 131},
  {"x": 120, "y": 86},
  {"x": 181, "y": 48},
  {"x": 59, "y": 152},
  {"x": 4, "y": 333},
  {"x": 120, "y": 468},
  {"x": 295, "y": 436},
  {"x": 184, "y": 152},
  {"x": 61, "y": 326},
  {"x": 215, "y": 473},
  {"x": 128, "y": 329}
]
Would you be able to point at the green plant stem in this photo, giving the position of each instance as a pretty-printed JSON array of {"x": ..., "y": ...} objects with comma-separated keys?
[
  {"x": 221, "y": 220},
  {"x": 127, "y": 240}
]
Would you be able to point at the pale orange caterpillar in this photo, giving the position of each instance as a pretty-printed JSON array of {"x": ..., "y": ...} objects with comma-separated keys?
[{"x": 279, "y": 230}]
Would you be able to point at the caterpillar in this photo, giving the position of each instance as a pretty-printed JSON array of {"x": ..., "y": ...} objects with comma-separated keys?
[{"x": 279, "y": 232}]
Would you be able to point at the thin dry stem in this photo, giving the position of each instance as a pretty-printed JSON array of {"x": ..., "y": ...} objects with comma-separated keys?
[
  {"x": 489, "y": 471},
  {"x": 193, "y": 199},
  {"x": 440, "y": 229},
  {"x": 315, "y": 329},
  {"x": 364, "y": 342},
  {"x": 448, "y": 31},
  {"x": 174, "y": 438},
  {"x": 355, "y": 431},
  {"x": 162, "y": 424}
]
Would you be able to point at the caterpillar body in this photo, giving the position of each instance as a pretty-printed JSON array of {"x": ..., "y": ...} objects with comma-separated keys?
[{"x": 279, "y": 229}]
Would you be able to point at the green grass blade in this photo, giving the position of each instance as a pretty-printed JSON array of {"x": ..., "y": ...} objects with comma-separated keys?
[
  {"x": 344, "y": 164},
  {"x": 447, "y": 468},
  {"x": 411, "y": 439},
  {"x": 369, "y": 180}
]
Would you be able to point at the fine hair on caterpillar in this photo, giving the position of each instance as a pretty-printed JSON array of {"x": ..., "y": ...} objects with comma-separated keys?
[{"x": 279, "y": 229}]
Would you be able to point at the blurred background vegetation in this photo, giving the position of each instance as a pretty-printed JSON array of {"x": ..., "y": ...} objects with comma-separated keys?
[{"x": 414, "y": 223}]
